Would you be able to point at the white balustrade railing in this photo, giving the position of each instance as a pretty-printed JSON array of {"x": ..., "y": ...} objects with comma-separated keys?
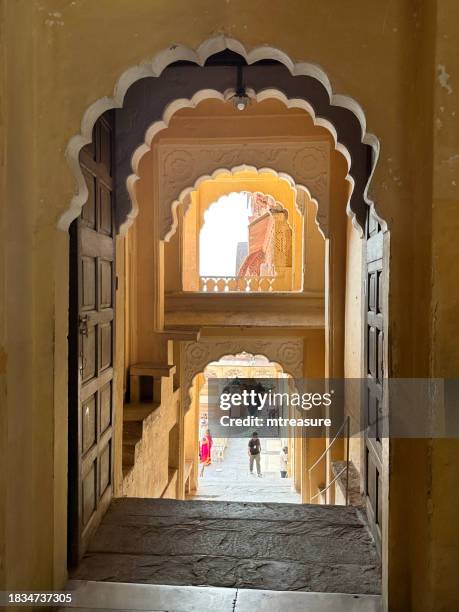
[{"x": 226, "y": 284}]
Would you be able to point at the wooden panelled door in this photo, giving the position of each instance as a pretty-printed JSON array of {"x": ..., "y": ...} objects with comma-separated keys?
[
  {"x": 91, "y": 344},
  {"x": 374, "y": 364}
]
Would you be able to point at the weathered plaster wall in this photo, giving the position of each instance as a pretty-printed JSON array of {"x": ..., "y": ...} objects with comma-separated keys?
[
  {"x": 386, "y": 56},
  {"x": 444, "y": 527}
]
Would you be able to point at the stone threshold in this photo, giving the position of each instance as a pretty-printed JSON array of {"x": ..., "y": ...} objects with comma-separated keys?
[
  {"x": 117, "y": 596},
  {"x": 240, "y": 545}
]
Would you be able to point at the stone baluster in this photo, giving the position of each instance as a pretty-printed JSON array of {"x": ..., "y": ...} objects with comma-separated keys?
[
  {"x": 263, "y": 284},
  {"x": 232, "y": 283},
  {"x": 246, "y": 284},
  {"x": 220, "y": 284}
]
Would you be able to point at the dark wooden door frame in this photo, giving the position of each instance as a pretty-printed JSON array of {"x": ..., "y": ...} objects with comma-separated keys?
[
  {"x": 373, "y": 404},
  {"x": 92, "y": 297}
]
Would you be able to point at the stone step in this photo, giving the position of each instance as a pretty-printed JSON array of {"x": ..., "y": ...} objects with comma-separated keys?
[
  {"x": 184, "y": 335},
  {"x": 127, "y": 469},
  {"x": 268, "y": 546},
  {"x": 90, "y": 595},
  {"x": 134, "y": 416},
  {"x": 132, "y": 432},
  {"x": 145, "y": 507},
  {"x": 129, "y": 454},
  {"x": 139, "y": 411},
  {"x": 155, "y": 370}
]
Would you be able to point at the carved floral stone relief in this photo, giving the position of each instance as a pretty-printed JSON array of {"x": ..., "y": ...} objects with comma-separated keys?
[
  {"x": 287, "y": 352},
  {"x": 181, "y": 165}
]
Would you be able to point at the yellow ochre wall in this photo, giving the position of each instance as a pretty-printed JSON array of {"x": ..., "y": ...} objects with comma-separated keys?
[{"x": 399, "y": 61}]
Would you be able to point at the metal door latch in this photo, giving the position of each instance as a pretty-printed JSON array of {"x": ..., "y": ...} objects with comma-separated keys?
[{"x": 83, "y": 325}]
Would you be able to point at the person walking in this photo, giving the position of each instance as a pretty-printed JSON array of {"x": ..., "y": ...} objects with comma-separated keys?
[
  {"x": 205, "y": 452},
  {"x": 254, "y": 452},
  {"x": 283, "y": 460}
]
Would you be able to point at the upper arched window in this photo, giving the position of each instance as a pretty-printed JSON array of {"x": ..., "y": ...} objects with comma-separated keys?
[{"x": 242, "y": 241}]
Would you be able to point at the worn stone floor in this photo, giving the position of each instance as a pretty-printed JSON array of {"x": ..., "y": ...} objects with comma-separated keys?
[
  {"x": 246, "y": 545},
  {"x": 229, "y": 480},
  {"x": 90, "y": 596}
]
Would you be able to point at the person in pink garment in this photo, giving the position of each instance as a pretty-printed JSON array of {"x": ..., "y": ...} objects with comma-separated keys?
[{"x": 205, "y": 451}]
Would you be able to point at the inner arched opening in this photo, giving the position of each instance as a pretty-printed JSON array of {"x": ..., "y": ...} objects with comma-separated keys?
[
  {"x": 325, "y": 303},
  {"x": 245, "y": 241},
  {"x": 236, "y": 465}
]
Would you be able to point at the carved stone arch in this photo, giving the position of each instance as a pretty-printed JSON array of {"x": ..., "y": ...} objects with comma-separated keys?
[
  {"x": 303, "y": 165},
  {"x": 357, "y": 168},
  {"x": 302, "y": 81},
  {"x": 195, "y": 356},
  {"x": 302, "y": 195}
]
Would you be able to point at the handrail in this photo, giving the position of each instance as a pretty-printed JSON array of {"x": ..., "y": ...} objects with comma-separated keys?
[
  {"x": 345, "y": 424},
  {"x": 329, "y": 484},
  {"x": 329, "y": 445}
]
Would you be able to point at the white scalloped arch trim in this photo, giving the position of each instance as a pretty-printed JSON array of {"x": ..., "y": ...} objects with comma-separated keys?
[
  {"x": 177, "y": 52},
  {"x": 212, "y": 94},
  {"x": 185, "y": 196}
]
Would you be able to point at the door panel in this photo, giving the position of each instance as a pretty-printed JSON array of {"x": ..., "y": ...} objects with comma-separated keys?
[
  {"x": 374, "y": 364},
  {"x": 91, "y": 344}
]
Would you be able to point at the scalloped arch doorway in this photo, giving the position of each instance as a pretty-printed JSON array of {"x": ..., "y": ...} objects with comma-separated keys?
[{"x": 148, "y": 96}]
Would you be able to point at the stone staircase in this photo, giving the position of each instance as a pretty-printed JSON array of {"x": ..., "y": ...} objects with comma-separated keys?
[
  {"x": 145, "y": 398},
  {"x": 267, "y": 546}
]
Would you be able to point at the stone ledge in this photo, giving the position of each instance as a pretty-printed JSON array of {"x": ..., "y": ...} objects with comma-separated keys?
[{"x": 355, "y": 496}]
